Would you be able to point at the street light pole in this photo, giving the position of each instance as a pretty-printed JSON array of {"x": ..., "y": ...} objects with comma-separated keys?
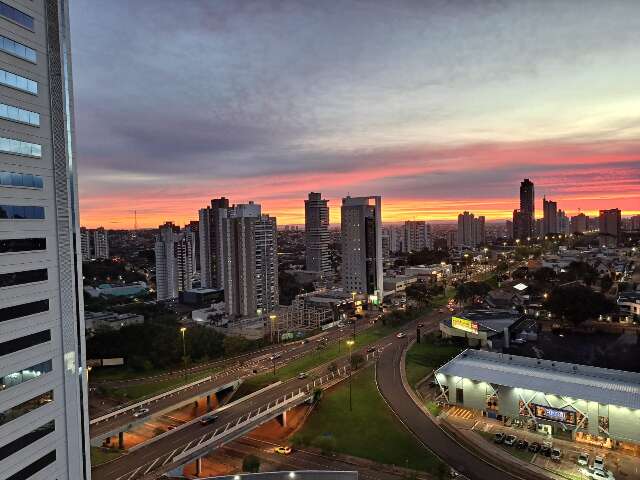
[
  {"x": 184, "y": 351},
  {"x": 350, "y": 343}
]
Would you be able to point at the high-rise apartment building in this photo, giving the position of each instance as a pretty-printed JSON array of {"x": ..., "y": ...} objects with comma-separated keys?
[
  {"x": 361, "y": 230},
  {"x": 43, "y": 399},
  {"x": 524, "y": 219},
  {"x": 635, "y": 222},
  {"x": 174, "y": 261},
  {"x": 563, "y": 222},
  {"x": 416, "y": 236},
  {"x": 316, "y": 234},
  {"x": 471, "y": 230},
  {"x": 550, "y": 217},
  {"x": 249, "y": 260},
  {"x": 193, "y": 228},
  {"x": 211, "y": 274},
  {"x": 85, "y": 244},
  {"x": 611, "y": 222},
  {"x": 508, "y": 226},
  {"x": 100, "y": 244},
  {"x": 579, "y": 223}
]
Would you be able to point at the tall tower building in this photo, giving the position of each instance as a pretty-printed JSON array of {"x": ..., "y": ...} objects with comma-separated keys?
[
  {"x": 249, "y": 260},
  {"x": 525, "y": 228},
  {"x": 211, "y": 275},
  {"x": 100, "y": 244},
  {"x": 43, "y": 400},
  {"x": 361, "y": 229},
  {"x": 550, "y": 217},
  {"x": 174, "y": 261},
  {"x": 416, "y": 236},
  {"x": 316, "y": 234},
  {"x": 611, "y": 222},
  {"x": 85, "y": 244},
  {"x": 471, "y": 230}
]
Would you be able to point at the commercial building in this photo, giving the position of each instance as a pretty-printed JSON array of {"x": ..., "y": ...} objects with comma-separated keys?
[
  {"x": 249, "y": 260},
  {"x": 362, "y": 246},
  {"x": 201, "y": 296},
  {"x": 416, "y": 236},
  {"x": 595, "y": 405},
  {"x": 110, "y": 320},
  {"x": 43, "y": 405},
  {"x": 316, "y": 234},
  {"x": 524, "y": 218},
  {"x": 210, "y": 245},
  {"x": 118, "y": 290},
  {"x": 174, "y": 262},
  {"x": 471, "y": 230},
  {"x": 550, "y": 223},
  {"x": 482, "y": 328}
]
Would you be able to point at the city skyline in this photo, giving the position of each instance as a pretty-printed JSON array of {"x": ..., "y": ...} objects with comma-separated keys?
[{"x": 433, "y": 122}]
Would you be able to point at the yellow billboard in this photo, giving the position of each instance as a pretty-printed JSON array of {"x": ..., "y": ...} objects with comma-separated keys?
[{"x": 464, "y": 324}]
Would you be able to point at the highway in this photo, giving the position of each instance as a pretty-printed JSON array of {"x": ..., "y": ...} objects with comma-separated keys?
[{"x": 260, "y": 362}]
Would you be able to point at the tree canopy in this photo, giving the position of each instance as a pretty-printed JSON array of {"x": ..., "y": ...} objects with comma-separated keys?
[{"x": 577, "y": 303}]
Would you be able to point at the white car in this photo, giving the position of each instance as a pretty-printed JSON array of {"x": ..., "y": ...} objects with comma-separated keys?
[
  {"x": 598, "y": 463},
  {"x": 510, "y": 440},
  {"x": 141, "y": 413},
  {"x": 556, "y": 454},
  {"x": 583, "y": 459},
  {"x": 401, "y": 335},
  {"x": 597, "y": 474}
]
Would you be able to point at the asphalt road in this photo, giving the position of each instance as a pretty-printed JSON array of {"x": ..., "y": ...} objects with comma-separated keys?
[
  {"x": 390, "y": 383},
  {"x": 259, "y": 362}
]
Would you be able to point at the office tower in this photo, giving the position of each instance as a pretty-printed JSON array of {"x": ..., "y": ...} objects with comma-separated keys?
[
  {"x": 525, "y": 225},
  {"x": 610, "y": 222},
  {"x": 100, "y": 244},
  {"x": 174, "y": 261},
  {"x": 416, "y": 236},
  {"x": 210, "y": 248},
  {"x": 316, "y": 234},
  {"x": 249, "y": 260},
  {"x": 43, "y": 401},
  {"x": 550, "y": 217},
  {"x": 361, "y": 229},
  {"x": 563, "y": 222},
  {"x": 85, "y": 244},
  {"x": 509, "y": 228},
  {"x": 579, "y": 223},
  {"x": 471, "y": 230}
]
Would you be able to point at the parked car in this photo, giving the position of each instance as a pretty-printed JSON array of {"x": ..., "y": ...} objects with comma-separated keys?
[
  {"x": 522, "y": 444},
  {"x": 302, "y": 375},
  {"x": 141, "y": 412},
  {"x": 545, "y": 450},
  {"x": 598, "y": 463},
  {"x": 209, "y": 419},
  {"x": 556, "y": 454},
  {"x": 499, "y": 437},
  {"x": 510, "y": 440},
  {"x": 282, "y": 450},
  {"x": 583, "y": 459},
  {"x": 597, "y": 474},
  {"x": 534, "y": 447},
  {"x": 401, "y": 335}
]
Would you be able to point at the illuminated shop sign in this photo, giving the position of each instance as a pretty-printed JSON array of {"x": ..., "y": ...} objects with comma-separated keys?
[
  {"x": 554, "y": 414},
  {"x": 464, "y": 324}
]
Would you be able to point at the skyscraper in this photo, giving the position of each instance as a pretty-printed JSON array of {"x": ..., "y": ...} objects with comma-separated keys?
[
  {"x": 471, "y": 230},
  {"x": 100, "y": 244},
  {"x": 563, "y": 222},
  {"x": 174, "y": 261},
  {"x": 211, "y": 275},
  {"x": 43, "y": 402},
  {"x": 524, "y": 221},
  {"x": 611, "y": 222},
  {"x": 416, "y": 236},
  {"x": 579, "y": 223},
  {"x": 550, "y": 217},
  {"x": 316, "y": 234},
  {"x": 85, "y": 244},
  {"x": 249, "y": 260},
  {"x": 361, "y": 229}
]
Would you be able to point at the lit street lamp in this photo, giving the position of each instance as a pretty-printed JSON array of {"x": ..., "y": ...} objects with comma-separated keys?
[
  {"x": 350, "y": 344},
  {"x": 184, "y": 351}
]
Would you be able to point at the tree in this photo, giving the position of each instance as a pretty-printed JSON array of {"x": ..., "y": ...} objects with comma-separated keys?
[
  {"x": 356, "y": 361},
  {"x": 606, "y": 282},
  {"x": 418, "y": 292},
  {"x": 577, "y": 303},
  {"x": 427, "y": 257},
  {"x": 251, "y": 464},
  {"x": 317, "y": 395},
  {"x": 469, "y": 290}
]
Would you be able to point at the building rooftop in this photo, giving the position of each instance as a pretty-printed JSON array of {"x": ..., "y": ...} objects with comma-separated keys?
[
  {"x": 488, "y": 320},
  {"x": 602, "y": 385}
]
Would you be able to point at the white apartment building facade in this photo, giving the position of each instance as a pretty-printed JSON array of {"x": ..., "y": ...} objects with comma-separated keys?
[
  {"x": 174, "y": 262},
  {"x": 43, "y": 402}
]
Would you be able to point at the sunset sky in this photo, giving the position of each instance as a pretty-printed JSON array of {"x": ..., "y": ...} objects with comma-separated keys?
[{"x": 438, "y": 106}]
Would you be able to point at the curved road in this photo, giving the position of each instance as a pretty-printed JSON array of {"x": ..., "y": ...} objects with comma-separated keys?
[{"x": 389, "y": 380}]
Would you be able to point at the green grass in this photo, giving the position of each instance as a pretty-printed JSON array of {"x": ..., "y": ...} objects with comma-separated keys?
[
  {"x": 102, "y": 455},
  {"x": 423, "y": 358},
  {"x": 370, "y": 431},
  {"x": 314, "y": 359},
  {"x": 433, "y": 408}
]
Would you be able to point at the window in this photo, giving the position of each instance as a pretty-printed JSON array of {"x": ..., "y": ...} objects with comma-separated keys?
[
  {"x": 459, "y": 395},
  {"x": 15, "y": 245},
  {"x": 13, "y": 179},
  {"x": 15, "y": 114},
  {"x": 35, "y": 467},
  {"x": 21, "y": 343},
  {"x": 26, "y": 440},
  {"x": 16, "y": 81},
  {"x": 21, "y": 278},
  {"x": 21, "y": 212},
  {"x": 18, "y": 147},
  {"x": 24, "y": 375},
  {"x": 17, "y": 49},
  {"x": 25, "y": 407},
  {"x": 18, "y": 311},
  {"x": 16, "y": 16}
]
